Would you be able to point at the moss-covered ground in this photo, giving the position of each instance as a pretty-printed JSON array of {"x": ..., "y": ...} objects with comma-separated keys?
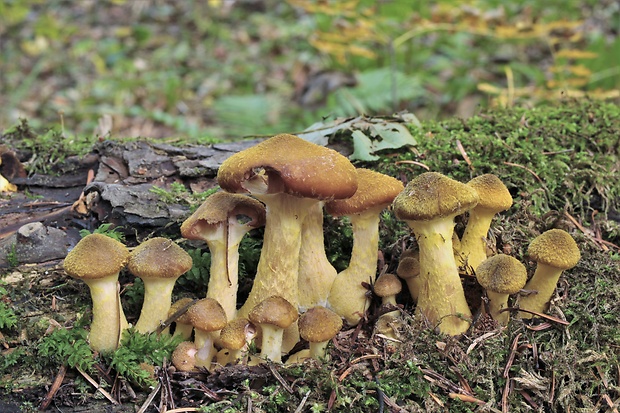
[{"x": 561, "y": 165}]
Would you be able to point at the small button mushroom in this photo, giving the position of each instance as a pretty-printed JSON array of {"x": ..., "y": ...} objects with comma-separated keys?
[
  {"x": 501, "y": 276},
  {"x": 428, "y": 205},
  {"x": 387, "y": 287},
  {"x": 375, "y": 192},
  {"x": 234, "y": 338},
  {"x": 159, "y": 262},
  {"x": 208, "y": 318},
  {"x": 554, "y": 251},
  {"x": 184, "y": 356},
  {"x": 97, "y": 260},
  {"x": 272, "y": 316},
  {"x": 318, "y": 325},
  {"x": 409, "y": 270},
  {"x": 494, "y": 198}
]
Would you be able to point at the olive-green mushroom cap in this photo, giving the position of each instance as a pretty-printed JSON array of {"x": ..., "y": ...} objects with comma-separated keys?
[
  {"x": 432, "y": 195},
  {"x": 207, "y": 315},
  {"x": 386, "y": 285},
  {"x": 374, "y": 189},
  {"x": 493, "y": 193},
  {"x": 319, "y": 324},
  {"x": 219, "y": 208},
  {"x": 555, "y": 248},
  {"x": 300, "y": 168},
  {"x": 274, "y": 310},
  {"x": 502, "y": 274},
  {"x": 234, "y": 335},
  {"x": 96, "y": 256},
  {"x": 159, "y": 258}
]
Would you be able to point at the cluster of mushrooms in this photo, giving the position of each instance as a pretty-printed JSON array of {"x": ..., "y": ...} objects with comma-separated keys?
[{"x": 285, "y": 183}]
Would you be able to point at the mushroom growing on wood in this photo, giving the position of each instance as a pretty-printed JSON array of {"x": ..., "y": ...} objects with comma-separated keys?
[
  {"x": 289, "y": 175},
  {"x": 273, "y": 315},
  {"x": 218, "y": 222},
  {"x": 159, "y": 262},
  {"x": 494, "y": 198},
  {"x": 501, "y": 276},
  {"x": 97, "y": 260},
  {"x": 375, "y": 192},
  {"x": 428, "y": 205},
  {"x": 554, "y": 251}
]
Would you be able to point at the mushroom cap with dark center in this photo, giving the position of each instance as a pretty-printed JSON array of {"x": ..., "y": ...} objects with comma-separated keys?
[
  {"x": 159, "y": 258},
  {"x": 293, "y": 166},
  {"x": 207, "y": 315},
  {"x": 493, "y": 194},
  {"x": 219, "y": 208},
  {"x": 432, "y": 195},
  {"x": 374, "y": 190},
  {"x": 502, "y": 274},
  {"x": 319, "y": 324},
  {"x": 555, "y": 248},
  {"x": 386, "y": 285},
  {"x": 274, "y": 310},
  {"x": 408, "y": 264},
  {"x": 96, "y": 256},
  {"x": 234, "y": 335}
]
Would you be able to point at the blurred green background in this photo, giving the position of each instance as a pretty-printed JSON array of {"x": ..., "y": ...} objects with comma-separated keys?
[{"x": 200, "y": 71}]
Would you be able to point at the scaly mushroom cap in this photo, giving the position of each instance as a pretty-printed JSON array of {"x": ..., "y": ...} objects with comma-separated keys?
[
  {"x": 432, "y": 195},
  {"x": 274, "y": 310},
  {"x": 555, "y": 248},
  {"x": 387, "y": 285},
  {"x": 293, "y": 166},
  {"x": 207, "y": 315},
  {"x": 159, "y": 258},
  {"x": 374, "y": 190},
  {"x": 502, "y": 274},
  {"x": 219, "y": 208},
  {"x": 408, "y": 264},
  {"x": 319, "y": 324},
  {"x": 493, "y": 193},
  {"x": 234, "y": 336},
  {"x": 96, "y": 256},
  {"x": 184, "y": 356}
]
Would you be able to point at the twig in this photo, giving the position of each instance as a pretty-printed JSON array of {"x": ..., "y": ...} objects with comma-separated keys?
[
  {"x": 527, "y": 169},
  {"x": 184, "y": 409},
  {"x": 303, "y": 403},
  {"x": 588, "y": 233},
  {"x": 366, "y": 357},
  {"x": 461, "y": 149},
  {"x": 380, "y": 396},
  {"x": 413, "y": 163},
  {"x": 278, "y": 377},
  {"x": 97, "y": 387},
  {"x": 481, "y": 339},
  {"x": 55, "y": 386},
  {"x": 149, "y": 399},
  {"x": 536, "y": 313},
  {"x": 466, "y": 398},
  {"x": 513, "y": 353}
]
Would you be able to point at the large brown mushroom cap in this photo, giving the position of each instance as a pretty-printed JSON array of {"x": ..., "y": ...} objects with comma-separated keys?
[
  {"x": 502, "y": 274},
  {"x": 432, "y": 195},
  {"x": 219, "y": 208},
  {"x": 319, "y": 324},
  {"x": 274, "y": 310},
  {"x": 293, "y": 166},
  {"x": 555, "y": 248},
  {"x": 493, "y": 193},
  {"x": 374, "y": 190},
  {"x": 159, "y": 258},
  {"x": 96, "y": 256}
]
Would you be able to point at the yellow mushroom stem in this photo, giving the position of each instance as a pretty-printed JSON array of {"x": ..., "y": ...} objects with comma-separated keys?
[
  {"x": 441, "y": 298},
  {"x": 542, "y": 285},
  {"x": 224, "y": 270},
  {"x": 206, "y": 351},
  {"x": 157, "y": 301},
  {"x": 348, "y": 296},
  {"x": 316, "y": 273},
  {"x": 278, "y": 266},
  {"x": 106, "y": 307},
  {"x": 497, "y": 302},
  {"x": 473, "y": 244},
  {"x": 271, "y": 343}
]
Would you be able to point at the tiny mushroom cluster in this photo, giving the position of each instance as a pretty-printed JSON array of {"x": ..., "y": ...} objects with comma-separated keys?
[{"x": 286, "y": 184}]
